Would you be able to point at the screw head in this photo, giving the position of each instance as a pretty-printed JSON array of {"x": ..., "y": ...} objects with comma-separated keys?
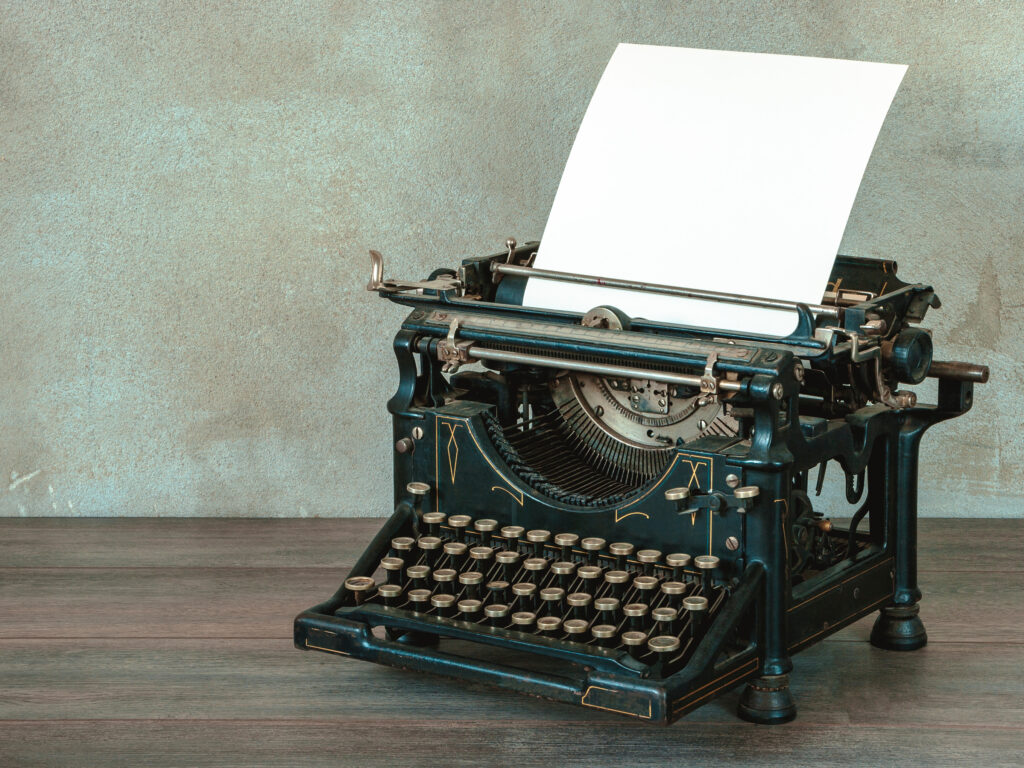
[
  {"x": 732, "y": 543},
  {"x": 417, "y": 433},
  {"x": 732, "y": 480}
]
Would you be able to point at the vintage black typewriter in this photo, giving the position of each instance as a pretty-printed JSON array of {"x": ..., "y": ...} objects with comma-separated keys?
[{"x": 616, "y": 512}]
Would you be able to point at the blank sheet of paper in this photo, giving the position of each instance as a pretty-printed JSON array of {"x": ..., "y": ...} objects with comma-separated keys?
[{"x": 718, "y": 170}]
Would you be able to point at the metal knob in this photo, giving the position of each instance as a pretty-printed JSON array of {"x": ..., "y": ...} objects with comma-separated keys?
[
  {"x": 747, "y": 492},
  {"x": 417, "y": 489},
  {"x": 677, "y": 494}
]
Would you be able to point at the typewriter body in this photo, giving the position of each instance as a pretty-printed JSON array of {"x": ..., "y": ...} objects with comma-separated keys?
[{"x": 617, "y": 512}]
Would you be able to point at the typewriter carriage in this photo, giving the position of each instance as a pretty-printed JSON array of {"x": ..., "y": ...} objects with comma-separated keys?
[{"x": 526, "y": 443}]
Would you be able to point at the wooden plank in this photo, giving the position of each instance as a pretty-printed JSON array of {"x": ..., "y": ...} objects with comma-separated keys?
[
  {"x": 261, "y": 603},
  {"x": 945, "y": 544},
  {"x": 370, "y": 743},
  {"x": 834, "y": 684}
]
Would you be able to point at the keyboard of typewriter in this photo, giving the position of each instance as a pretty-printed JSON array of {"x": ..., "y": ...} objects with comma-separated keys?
[{"x": 583, "y": 591}]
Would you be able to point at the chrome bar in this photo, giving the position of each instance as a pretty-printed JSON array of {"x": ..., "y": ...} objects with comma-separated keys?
[
  {"x": 667, "y": 290},
  {"x": 599, "y": 369}
]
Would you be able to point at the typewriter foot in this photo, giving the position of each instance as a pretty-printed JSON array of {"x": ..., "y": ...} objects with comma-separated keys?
[
  {"x": 767, "y": 701},
  {"x": 899, "y": 628}
]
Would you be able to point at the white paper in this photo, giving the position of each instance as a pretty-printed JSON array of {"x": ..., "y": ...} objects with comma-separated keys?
[{"x": 718, "y": 170}]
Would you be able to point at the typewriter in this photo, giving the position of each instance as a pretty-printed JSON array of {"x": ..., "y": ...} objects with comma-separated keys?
[{"x": 616, "y": 512}]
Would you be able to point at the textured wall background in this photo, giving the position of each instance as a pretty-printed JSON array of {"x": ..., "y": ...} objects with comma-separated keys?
[{"x": 187, "y": 194}]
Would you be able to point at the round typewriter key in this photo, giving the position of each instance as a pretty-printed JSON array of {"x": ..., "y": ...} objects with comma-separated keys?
[
  {"x": 481, "y": 556},
  {"x": 621, "y": 550},
  {"x": 677, "y": 494},
  {"x": 608, "y": 609},
  {"x": 509, "y": 563},
  {"x": 566, "y": 541},
  {"x": 535, "y": 567},
  {"x": 456, "y": 552},
  {"x": 635, "y": 612},
  {"x": 445, "y": 578},
  {"x": 512, "y": 534},
  {"x": 485, "y": 528},
  {"x": 673, "y": 591},
  {"x": 497, "y": 613},
  {"x": 498, "y": 590},
  {"x": 617, "y": 580},
  {"x": 664, "y": 646},
  {"x": 419, "y": 599},
  {"x": 417, "y": 489},
  {"x": 360, "y": 587},
  {"x": 648, "y": 557},
  {"x": 418, "y": 574},
  {"x": 393, "y": 567},
  {"x": 471, "y": 580},
  {"x": 604, "y": 634},
  {"x": 431, "y": 547},
  {"x": 706, "y": 564},
  {"x": 580, "y": 604},
  {"x": 459, "y": 524},
  {"x": 400, "y": 545},
  {"x": 634, "y": 642},
  {"x": 525, "y": 593},
  {"x": 574, "y": 628},
  {"x": 433, "y": 521},
  {"x": 549, "y": 625},
  {"x": 677, "y": 561},
  {"x": 470, "y": 609},
  {"x": 537, "y": 537},
  {"x": 444, "y": 604},
  {"x": 697, "y": 608},
  {"x": 389, "y": 593},
  {"x": 523, "y": 620},
  {"x": 592, "y": 546},
  {"x": 552, "y": 598},
  {"x": 590, "y": 577},
  {"x": 646, "y": 587},
  {"x": 564, "y": 570},
  {"x": 665, "y": 620}
]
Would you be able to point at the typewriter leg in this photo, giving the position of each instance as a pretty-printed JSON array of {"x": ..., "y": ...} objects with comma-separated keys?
[
  {"x": 899, "y": 627},
  {"x": 767, "y": 701}
]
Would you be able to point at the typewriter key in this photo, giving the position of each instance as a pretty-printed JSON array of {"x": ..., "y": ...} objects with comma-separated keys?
[
  {"x": 537, "y": 537},
  {"x": 525, "y": 593},
  {"x": 592, "y": 546},
  {"x": 470, "y": 609},
  {"x": 677, "y": 561},
  {"x": 634, "y": 642},
  {"x": 471, "y": 580},
  {"x": 635, "y": 612},
  {"x": 608, "y": 609},
  {"x": 419, "y": 599},
  {"x": 604, "y": 634},
  {"x": 564, "y": 570},
  {"x": 360, "y": 587},
  {"x": 512, "y": 534},
  {"x": 552, "y": 597},
  {"x": 401, "y": 546},
  {"x": 617, "y": 580},
  {"x": 393, "y": 567},
  {"x": 648, "y": 557},
  {"x": 456, "y": 552},
  {"x": 523, "y": 620},
  {"x": 445, "y": 604},
  {"x": 673, "y": 591},
  {"x": 485, "y": 528},
  {"x": 549, "y": 625},
  {"x": 590, "y": 578},
  {"x": 697, "y": 607},
  {"x": 566, "y": 541},
  {"x": 458, "y": 524},
  {"x": 706, "y": 564},
  {"x": 536, "y": 566},
  {"x": 481, "y": 556},
  {"x": 664, "y": 646},
  {"x": 418, "y": 574},
  {"x": 621, "y": 550},
  {"x": 580, "y": 604},
  {"x": 497, "y": 613},
  {"x": 509, "y": 563},
  {"x": 497, "y": 590},
  {"x": 433, "y": 521},
  {"x": 574, "y": 628},
  {"x": 665, "y": 620},
  {"x": 431, "y": 547},
  {"x": 389, "y": 593},
  {"x": 646, "y": 587},
  {"x": 445, "y": 578}
]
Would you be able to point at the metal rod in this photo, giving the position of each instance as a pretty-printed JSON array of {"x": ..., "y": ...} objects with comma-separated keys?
[
  {"x": 668, "y": 290},
  {"x": 957, "y": 371},
  {"x": 600, "y": 369}
]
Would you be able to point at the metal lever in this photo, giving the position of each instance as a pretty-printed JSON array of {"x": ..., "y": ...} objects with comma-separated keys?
[{"x": 378, "y": 283}]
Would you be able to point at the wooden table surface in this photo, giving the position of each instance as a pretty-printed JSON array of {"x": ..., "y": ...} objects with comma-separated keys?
[{"x": 167, "y": 642}]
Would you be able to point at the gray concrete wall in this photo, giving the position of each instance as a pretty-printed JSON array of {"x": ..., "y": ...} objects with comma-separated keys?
[{"x": 188, "y": 192}]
